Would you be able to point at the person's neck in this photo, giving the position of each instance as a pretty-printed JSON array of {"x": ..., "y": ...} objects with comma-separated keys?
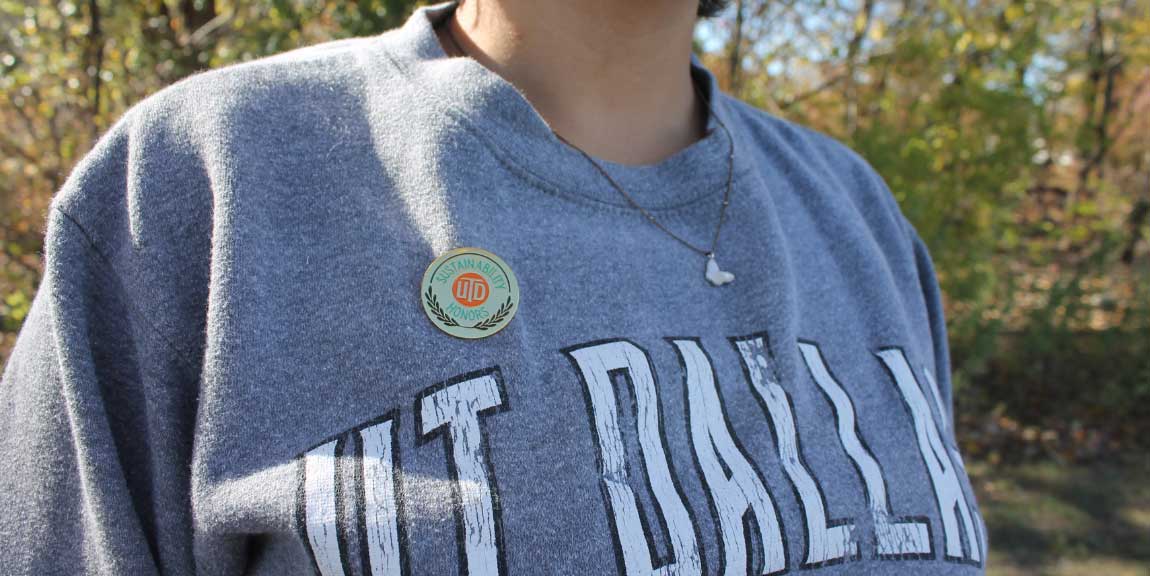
[{"x": 610, "y": 77}]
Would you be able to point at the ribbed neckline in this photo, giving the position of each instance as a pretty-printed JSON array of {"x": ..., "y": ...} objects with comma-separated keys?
[{"x": 476, "y": 95}]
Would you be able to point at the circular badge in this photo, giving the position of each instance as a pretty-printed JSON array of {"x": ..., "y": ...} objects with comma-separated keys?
[{"x": 469, "y": 293}]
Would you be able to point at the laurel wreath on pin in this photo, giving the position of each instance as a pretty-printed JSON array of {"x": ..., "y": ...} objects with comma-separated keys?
[{"x": 485, "y": 324}]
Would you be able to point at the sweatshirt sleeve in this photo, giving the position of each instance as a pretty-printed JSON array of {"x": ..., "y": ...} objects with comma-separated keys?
[
  {"x": 96, "y": 407},
  {"x": 938, "y": 380},
  {"x": 66, "y": 505}
]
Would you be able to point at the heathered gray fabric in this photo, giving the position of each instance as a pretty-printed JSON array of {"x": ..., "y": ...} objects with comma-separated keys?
[{"x": 229, "y": 340}]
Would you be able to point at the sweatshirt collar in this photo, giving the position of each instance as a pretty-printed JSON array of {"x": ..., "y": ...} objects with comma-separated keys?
[{"x": 695, "y": 176}]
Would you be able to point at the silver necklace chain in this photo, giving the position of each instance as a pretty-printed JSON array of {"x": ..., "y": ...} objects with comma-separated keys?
[
  {"x": 713, "y": 274},
  {"x": 651, "y": 217}
]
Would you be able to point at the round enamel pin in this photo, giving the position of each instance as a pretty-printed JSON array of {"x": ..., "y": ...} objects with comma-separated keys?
[{"x": 469, "y": 293}]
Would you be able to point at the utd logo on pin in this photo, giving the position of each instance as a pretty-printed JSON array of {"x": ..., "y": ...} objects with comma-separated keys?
[{"x": 469, "y": 293}]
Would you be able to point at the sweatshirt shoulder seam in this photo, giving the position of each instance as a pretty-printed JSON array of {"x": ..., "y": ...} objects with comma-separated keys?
[{"x": 106, "y": 266}]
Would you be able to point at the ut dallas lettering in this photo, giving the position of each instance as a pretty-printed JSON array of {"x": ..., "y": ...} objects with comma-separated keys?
[{"x": 743, "y": 508}]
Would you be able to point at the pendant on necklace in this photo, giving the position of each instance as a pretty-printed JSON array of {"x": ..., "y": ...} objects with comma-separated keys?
[{"x": 715, "y": 275}]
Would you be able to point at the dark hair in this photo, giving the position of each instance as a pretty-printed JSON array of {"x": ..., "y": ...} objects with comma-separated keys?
[{"x": 711, "y": 8}]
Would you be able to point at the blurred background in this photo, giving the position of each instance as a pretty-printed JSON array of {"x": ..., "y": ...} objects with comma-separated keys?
[{"x": 1015, "y": 135}]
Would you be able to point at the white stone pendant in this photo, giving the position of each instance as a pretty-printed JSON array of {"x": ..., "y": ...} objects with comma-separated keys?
[{"x": 716, "y": 276}]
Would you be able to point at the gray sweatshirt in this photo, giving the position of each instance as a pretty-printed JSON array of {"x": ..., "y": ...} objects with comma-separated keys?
[{"x": 229, "y": 368}]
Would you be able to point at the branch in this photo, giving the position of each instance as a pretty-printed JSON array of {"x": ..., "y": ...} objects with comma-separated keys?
[
  {"x": 828, "y": 83},
  {"x": 15, "y": 149},
  {"x": 220, "y": 22},
  {"x": 95, "y": 43}
]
